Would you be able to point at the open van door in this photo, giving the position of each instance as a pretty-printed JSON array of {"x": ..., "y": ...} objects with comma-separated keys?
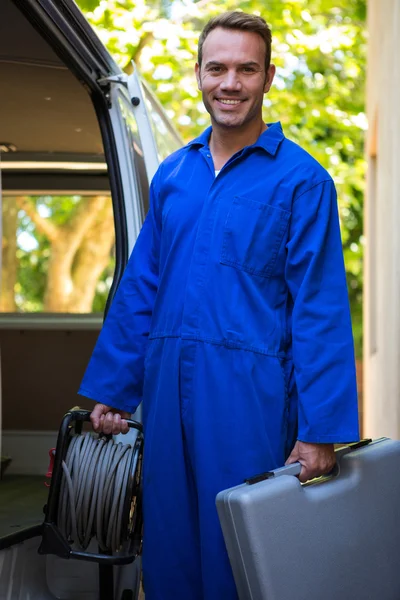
[{"x": 79, "y": 143}]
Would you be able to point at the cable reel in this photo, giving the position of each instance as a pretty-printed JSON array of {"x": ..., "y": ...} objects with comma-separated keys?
[
  {"x": 95, "y": 493},
  {"x": 98, "y": 492}
]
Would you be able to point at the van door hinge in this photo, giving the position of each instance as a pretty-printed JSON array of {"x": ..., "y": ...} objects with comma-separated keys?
[
  {"x": 105, "y": 83},
  {"x": 121, "y": 78}
]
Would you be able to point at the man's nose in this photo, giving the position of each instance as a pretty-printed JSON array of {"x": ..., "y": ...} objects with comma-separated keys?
[{"x": 231, "y": 82}]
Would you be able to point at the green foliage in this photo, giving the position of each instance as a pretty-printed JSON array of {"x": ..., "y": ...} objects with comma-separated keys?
[
  {"x": 34, "y": 252},
  {"x": 319, "y": 48}
]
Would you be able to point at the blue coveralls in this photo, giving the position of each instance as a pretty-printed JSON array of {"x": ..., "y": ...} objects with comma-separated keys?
[{"x": 232, "y": 324}]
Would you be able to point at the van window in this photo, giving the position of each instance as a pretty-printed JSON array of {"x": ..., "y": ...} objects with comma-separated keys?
[
  {"x": 137, "y": 155},
  {"x": 167, "y": 139},
  {"x": 57, "y": 252}
]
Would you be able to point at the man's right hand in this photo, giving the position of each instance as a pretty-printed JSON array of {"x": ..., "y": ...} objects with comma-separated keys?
[{"x": 106, "y": 419}]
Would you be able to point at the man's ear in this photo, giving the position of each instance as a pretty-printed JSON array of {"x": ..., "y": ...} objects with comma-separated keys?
[
  {"x": 197, "y": 72},
  {"x": 269, "y": 79}
]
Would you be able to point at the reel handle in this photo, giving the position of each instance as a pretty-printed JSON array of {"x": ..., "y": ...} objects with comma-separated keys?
[{"x": 81, "y": 415}]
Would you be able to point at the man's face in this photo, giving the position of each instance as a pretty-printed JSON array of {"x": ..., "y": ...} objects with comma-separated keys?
[{"x": 232, "y": 77}]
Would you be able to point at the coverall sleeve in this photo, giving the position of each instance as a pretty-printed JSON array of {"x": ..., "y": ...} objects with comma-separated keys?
[
  {"x": 322, "y": 340},
  {"x": 115, "y": 373}
]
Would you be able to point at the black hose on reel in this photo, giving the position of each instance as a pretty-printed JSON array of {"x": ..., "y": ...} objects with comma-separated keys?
[{"x": 95, "y": 492}]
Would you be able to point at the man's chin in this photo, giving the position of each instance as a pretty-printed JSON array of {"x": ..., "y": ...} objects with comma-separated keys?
[{"x": 227, "y": 121}]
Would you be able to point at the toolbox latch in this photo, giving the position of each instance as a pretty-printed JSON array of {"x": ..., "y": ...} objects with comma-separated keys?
[
  {"x": 360, "y": 444},
  {"x": 260, "y": 477}
]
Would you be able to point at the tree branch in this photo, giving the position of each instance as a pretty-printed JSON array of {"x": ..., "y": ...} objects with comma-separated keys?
[
  {"x": 91, "y": 259},
  {"x": 146, "y": 39},
  {"x": 45, "y": 226},
  {"x": 82, "y": 219}
]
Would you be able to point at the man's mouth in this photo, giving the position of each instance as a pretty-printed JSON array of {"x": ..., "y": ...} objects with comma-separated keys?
[{"x": 229, "y": 101}]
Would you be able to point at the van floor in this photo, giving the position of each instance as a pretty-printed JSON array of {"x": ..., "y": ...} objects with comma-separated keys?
[{"x": 22, "y": 498}]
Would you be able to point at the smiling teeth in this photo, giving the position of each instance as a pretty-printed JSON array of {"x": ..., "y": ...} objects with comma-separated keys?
[{"x": 230, "y": 101}]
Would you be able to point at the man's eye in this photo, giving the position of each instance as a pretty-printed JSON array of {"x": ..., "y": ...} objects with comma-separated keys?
[
  {"x": 248, "y": 69},
  {"x": 215, "y": 69}
]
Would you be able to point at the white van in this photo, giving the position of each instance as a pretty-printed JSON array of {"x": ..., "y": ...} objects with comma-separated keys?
[{"x": 79, "y": 137}]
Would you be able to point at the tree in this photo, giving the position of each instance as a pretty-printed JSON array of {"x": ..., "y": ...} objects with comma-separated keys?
[
  {"x": 319, "y": 47},
  {"x": 70, "y": 250},
  {"x": 9, "y": 252}
]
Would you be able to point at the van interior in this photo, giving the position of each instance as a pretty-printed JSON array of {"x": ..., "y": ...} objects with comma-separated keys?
[
  {"x": 70, "y": 172},
  {"x": 58, "y": 256},
  {"x": 51, "y": 153},
  {"x": 58, "y": 261}
]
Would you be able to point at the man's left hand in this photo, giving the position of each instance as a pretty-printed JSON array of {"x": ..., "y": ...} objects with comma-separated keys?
[{"x": 315, "y": 459}]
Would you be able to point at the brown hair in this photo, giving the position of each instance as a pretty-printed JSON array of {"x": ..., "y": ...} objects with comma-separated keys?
[{"x": 235, "y": 19}]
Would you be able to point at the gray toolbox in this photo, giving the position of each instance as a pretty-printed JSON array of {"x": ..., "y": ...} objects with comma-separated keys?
[{"x": 334, "y": 538}]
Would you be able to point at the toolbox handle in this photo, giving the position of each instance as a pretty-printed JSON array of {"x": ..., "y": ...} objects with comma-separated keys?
[{"x": 295, "y": 468}]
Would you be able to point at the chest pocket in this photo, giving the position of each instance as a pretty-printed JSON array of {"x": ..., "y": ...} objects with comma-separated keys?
[{"x": 252, "y": 236}]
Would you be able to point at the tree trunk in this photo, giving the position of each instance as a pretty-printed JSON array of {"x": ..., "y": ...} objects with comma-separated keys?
[
  {"x": 59, "y": 285},
  {"x": 9, "y": 267},
  {"x": 80, "y": 251},
  {"x": 79, "y": 255},
  {"x": 91, "y": 260}
]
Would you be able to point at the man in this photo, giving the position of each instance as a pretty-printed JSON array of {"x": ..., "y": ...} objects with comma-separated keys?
[{"x": 231, "y": 322}]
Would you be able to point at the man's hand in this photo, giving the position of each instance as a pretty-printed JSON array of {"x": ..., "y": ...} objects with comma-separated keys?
[
  {"x": 315, "y": 459},
  {"x": 109, "y": 420}
]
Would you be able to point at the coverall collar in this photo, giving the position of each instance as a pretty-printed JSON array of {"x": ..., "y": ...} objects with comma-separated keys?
[{"x": 269, "y": 140}]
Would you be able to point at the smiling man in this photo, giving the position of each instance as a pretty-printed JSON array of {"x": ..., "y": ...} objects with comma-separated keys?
[
  {"x": 231, "y": 322},
  {"x": 234, "y": 72}
]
